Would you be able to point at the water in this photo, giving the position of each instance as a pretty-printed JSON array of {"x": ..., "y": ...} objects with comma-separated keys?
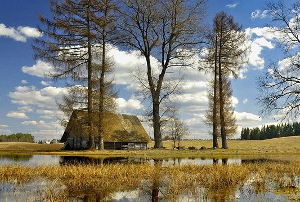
[
  {"x": 44, "y": 189},
  {"x": 35, "y": 160}
]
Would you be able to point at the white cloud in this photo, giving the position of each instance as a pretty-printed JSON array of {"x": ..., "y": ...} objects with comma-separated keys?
[
  {"x": 41, "y": 123},
  {"x": 259, "y": 14},
  {"x": 40, "y": 69},
  {"x": 17, "y": 115},
  {"x": 25, "y": 109},
  {"x": 260, "y": 38},
  {"x": 232, "y": 5},
  {"x": 29, "y": 123},
  {"x": 234, "y": 101},
  {"x": 42, "y": 101},
  {"x": 247, "y": 117},
  {"x": 286, "y": 63},
  {"x": 20, "y": 34},
  {"x": 128, "y": 106},
  {"x": 245, "y": 101},
  {"x": 265, "y": 32},
  {"x": 46, "y": 83},
  {"x": 24, "y": 82},
  {"x": 126, "y": 62},
  {"x": 30, "y": 32}
]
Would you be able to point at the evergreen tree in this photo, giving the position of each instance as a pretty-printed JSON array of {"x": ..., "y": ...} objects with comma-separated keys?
[{"x": 255, "y": 134}]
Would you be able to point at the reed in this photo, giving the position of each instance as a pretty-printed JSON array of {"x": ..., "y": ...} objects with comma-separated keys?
[{"x": 171, "y": 183}]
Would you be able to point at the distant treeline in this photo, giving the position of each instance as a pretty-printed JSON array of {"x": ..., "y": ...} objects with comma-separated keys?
[
  {"x": 17, "y": 137},
  {"x": 271, "y": 131}
]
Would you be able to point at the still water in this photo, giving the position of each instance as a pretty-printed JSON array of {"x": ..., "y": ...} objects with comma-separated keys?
[
  {"x": 36, "y": 160},
  {"x": 41, "y": 189}
]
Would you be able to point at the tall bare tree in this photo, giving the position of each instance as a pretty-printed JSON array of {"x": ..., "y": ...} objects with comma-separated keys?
[
  {"x": 72, "y": 38},
  {"x": 280, "y": 86},
  {"x": 162, "y": 29},
  {"x": 226, "y": 55}
]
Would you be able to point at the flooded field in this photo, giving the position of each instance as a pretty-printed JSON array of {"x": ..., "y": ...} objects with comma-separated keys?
[{"x": 60, "y": 178}]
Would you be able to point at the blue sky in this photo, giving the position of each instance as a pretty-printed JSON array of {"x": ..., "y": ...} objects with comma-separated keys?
[{"x": 27, "y": 96}]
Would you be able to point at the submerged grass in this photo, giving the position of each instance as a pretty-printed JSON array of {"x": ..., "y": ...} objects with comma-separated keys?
[{"x": 157, "y": 182}]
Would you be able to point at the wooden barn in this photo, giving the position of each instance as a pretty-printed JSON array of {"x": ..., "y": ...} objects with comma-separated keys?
[{"x": 121, "y": 131}]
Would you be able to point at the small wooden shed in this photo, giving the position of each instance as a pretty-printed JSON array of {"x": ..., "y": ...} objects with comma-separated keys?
[{"x": 121, "y": 131}]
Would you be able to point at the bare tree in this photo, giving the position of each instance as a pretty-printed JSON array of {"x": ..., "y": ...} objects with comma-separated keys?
[
  {"x": 280, "y": 87},
  {"x": 178, "y": 130},
  {"x": 163, "y": 29},
  {"x": 226, "y": 55}
]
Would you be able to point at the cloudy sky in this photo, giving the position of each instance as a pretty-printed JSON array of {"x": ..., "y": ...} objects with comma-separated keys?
[{"x": 28, "y": 97}]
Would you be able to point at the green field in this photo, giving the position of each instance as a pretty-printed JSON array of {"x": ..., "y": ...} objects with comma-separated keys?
[{"x": 286, "y": 146}]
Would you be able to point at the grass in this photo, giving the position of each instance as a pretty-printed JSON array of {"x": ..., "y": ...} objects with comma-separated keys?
[
  {"x": 214, "y": 182},
  {"x": 285, "y": 146}
]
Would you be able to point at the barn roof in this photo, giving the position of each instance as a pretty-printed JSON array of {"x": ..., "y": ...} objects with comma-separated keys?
[{"x": 117, "y": 127}]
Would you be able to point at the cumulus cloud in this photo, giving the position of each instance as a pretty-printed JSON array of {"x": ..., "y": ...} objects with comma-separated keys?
[
  {"x": 128, "y": 106},
  {"x": 46, "y": 83},
  {"x": 40, "y": 69},
  {"x": 259, "y": 14},
  {"x": 125, "y": 64},
  {"x": 245, "y": 101},
  {"x": 17, "y": 115},
  {"x": 29, "y": 32},
  {"x": 42, "y": 101},
  {"x": 234, "y": 101},
  {"x": 24, "y": 82},
  {"x": 243, "y": 117},
  {"x": 259, "y": 39},
  {"x": 19, "y": 34}
]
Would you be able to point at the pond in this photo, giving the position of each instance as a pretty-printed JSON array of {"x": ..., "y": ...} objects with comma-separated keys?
[
  {"x": 142, "y": 179},
  {"x": 36, "y": 160}
]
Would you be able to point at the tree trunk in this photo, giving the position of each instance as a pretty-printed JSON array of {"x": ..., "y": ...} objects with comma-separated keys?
[
  {"x": 222, "y": 117},
  {"x": 156, "y": 125},
  {"x": 90, "y": 85},
  {"x": 215, "y": 121},
  {"x": 221, "y": 97},
  {"x": 102, "y": 94}
]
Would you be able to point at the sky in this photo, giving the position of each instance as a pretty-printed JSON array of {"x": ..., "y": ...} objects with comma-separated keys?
[{"x": 28, "y": 97}]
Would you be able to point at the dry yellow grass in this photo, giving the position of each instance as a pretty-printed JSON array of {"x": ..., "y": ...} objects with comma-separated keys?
[
  {"x": 28, "y": 147},
  {"x": 214, "y": 182},
  {"x": 286, "y": 146}
]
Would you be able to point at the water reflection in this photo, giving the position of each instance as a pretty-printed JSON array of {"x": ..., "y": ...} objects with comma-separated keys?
[
  {"x": 35, "y": 160},
  {"x": 32, "y": 160},
  {"x": 67, "y": 160},
  {"x": 134, "y": 160}
]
